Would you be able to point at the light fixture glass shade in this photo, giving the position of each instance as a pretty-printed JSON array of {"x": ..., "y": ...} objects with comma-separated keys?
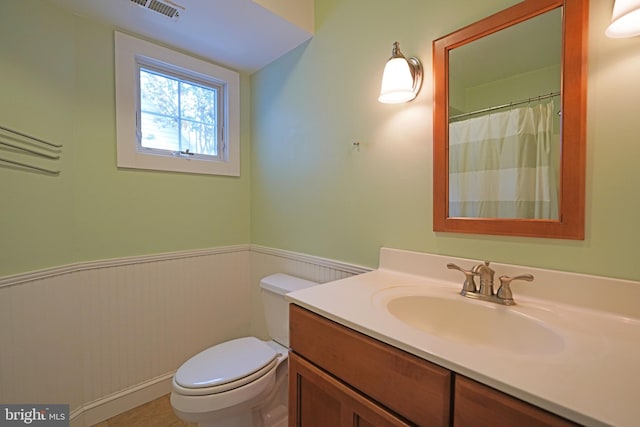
[
  {"x": 401, "y": 79},
  {"x": 397, "y": 82},
  {"x": 625, "y": 20}
]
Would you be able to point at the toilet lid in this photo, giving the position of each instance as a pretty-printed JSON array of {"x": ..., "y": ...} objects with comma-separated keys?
[{"x": 225, "y": 363}]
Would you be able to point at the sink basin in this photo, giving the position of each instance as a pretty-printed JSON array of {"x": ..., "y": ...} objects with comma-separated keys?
[{"x": 476, "y": 323}]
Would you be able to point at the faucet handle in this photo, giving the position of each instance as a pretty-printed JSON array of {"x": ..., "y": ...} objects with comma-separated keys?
[
  {"x": 469, "y": 284},
  {"x": 504, "y": 291}
]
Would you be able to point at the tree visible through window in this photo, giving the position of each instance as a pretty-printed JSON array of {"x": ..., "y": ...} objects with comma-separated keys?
[{"x": 178, "y": 115}]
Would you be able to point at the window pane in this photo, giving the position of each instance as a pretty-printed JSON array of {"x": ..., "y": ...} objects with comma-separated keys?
[
  {"x": 177, "y": 115},
  {"x": 158, "y": 94},
  {"x": 199, "y": 138},
  {"x": 159, "y": 132},
  {"x": 197, "y": 103}
]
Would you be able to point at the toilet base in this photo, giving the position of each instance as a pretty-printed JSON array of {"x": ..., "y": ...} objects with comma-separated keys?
[
  {"x": 244, "y": 419},
  {"x": 257, "y": 417},
  {"x": 276, "y": 417}
]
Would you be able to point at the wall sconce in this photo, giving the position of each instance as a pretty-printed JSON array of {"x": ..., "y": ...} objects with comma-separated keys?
[
  {"x": 625, "y": 21},
  {"x": 401, "y": 79}
]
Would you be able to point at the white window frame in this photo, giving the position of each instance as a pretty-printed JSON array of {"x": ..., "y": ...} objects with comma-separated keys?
[{"x": 129, "y": 53}]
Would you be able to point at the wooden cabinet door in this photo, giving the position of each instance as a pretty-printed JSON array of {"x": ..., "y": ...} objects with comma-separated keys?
[
  {"x": 477, "y": 405},
  {"x": 316, "y": 399}
]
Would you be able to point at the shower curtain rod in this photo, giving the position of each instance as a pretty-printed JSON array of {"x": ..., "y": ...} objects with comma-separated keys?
[{"x": 511, "y": 104}]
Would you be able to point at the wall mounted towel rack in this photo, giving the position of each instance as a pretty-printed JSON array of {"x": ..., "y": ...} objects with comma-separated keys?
[
  {"x": 34, "y": 152},
  {"x": 25, "y": 165},
  {"x": 33, "y": 138},
  {"x": 34, "y": 148}
]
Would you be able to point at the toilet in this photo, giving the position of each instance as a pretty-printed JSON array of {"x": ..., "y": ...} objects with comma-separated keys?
[{"x": 242, "y": 382}]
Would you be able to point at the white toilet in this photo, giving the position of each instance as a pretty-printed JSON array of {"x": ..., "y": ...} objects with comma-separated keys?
[{"x": 242, "y": 382}]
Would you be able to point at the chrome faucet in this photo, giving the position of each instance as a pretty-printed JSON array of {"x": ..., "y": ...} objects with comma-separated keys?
[{"x": 485, "y": 292}]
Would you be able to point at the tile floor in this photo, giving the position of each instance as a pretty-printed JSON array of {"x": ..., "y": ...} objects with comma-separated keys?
[{"x": 157, "y": 413}]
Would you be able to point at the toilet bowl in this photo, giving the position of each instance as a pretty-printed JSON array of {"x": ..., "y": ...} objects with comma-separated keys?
[{"x": 242, "y": 382}]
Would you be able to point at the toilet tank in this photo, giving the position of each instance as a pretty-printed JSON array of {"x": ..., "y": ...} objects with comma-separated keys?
[{"x": 276, "y": 307}]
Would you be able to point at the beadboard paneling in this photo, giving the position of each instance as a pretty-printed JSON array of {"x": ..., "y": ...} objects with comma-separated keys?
[
  {"x": 144, "y": 320},
  {"x": 106, "y": 336},
  {"x": 40, "y": 332},
  {"x": 265, "y": 261},
  {"x": 82, "y": 337}
]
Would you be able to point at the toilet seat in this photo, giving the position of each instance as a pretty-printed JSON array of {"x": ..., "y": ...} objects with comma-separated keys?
[{"x": 224, "y": 367}]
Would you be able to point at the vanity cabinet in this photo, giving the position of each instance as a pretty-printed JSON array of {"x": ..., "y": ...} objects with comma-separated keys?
[
  {"x": 374, "y": 375},
  {"x": 340, "y": 377}
]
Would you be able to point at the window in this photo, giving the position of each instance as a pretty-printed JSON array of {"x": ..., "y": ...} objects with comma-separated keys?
[{"x": 175, "y": 112}]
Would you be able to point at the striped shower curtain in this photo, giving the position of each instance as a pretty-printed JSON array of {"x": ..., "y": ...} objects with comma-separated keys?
[{"x": 500, "y": 165}]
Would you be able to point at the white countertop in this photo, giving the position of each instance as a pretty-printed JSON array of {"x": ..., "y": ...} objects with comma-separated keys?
[{"x": 592, "y": 379}]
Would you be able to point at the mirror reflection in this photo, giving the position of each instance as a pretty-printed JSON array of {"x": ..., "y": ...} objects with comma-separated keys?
[{"x": 504, "y": 122}]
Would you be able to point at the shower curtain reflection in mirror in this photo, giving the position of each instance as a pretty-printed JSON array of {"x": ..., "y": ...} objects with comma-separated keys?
[{"x": 501, "y": 165}]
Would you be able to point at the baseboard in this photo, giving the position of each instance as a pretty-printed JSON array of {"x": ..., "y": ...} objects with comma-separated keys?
[{"x": 94, "y": 412}]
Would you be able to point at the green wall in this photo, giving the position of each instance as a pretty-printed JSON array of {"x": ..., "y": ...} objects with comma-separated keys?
[
  {"x": 304, "y": 186},
  {"x": 313, "y": 192},
  {"x": 57, "y": 82}
]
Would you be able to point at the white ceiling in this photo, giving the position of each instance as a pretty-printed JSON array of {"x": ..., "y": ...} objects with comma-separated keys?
[{"x": 239, "y": 34}]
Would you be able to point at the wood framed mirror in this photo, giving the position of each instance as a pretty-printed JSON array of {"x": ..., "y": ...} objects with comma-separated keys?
[{"x": 463, "y": 206}]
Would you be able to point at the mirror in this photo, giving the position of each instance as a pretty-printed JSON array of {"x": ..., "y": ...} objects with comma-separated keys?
[
  {"x": 509, "y": 123},
  {"x": 504, "y": 122}
]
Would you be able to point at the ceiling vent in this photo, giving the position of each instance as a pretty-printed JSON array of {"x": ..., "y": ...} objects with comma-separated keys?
[{"x": 167, "y": 8}]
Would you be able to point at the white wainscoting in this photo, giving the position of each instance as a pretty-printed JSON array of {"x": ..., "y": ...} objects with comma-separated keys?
[{"x": 107, "y": 336}]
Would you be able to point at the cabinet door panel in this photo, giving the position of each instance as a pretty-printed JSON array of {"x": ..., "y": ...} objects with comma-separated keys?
[
  {"x": 316, "y": 399},
  {"x": 476, "y": 405},
  {"x": 317, "y": 408}
]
